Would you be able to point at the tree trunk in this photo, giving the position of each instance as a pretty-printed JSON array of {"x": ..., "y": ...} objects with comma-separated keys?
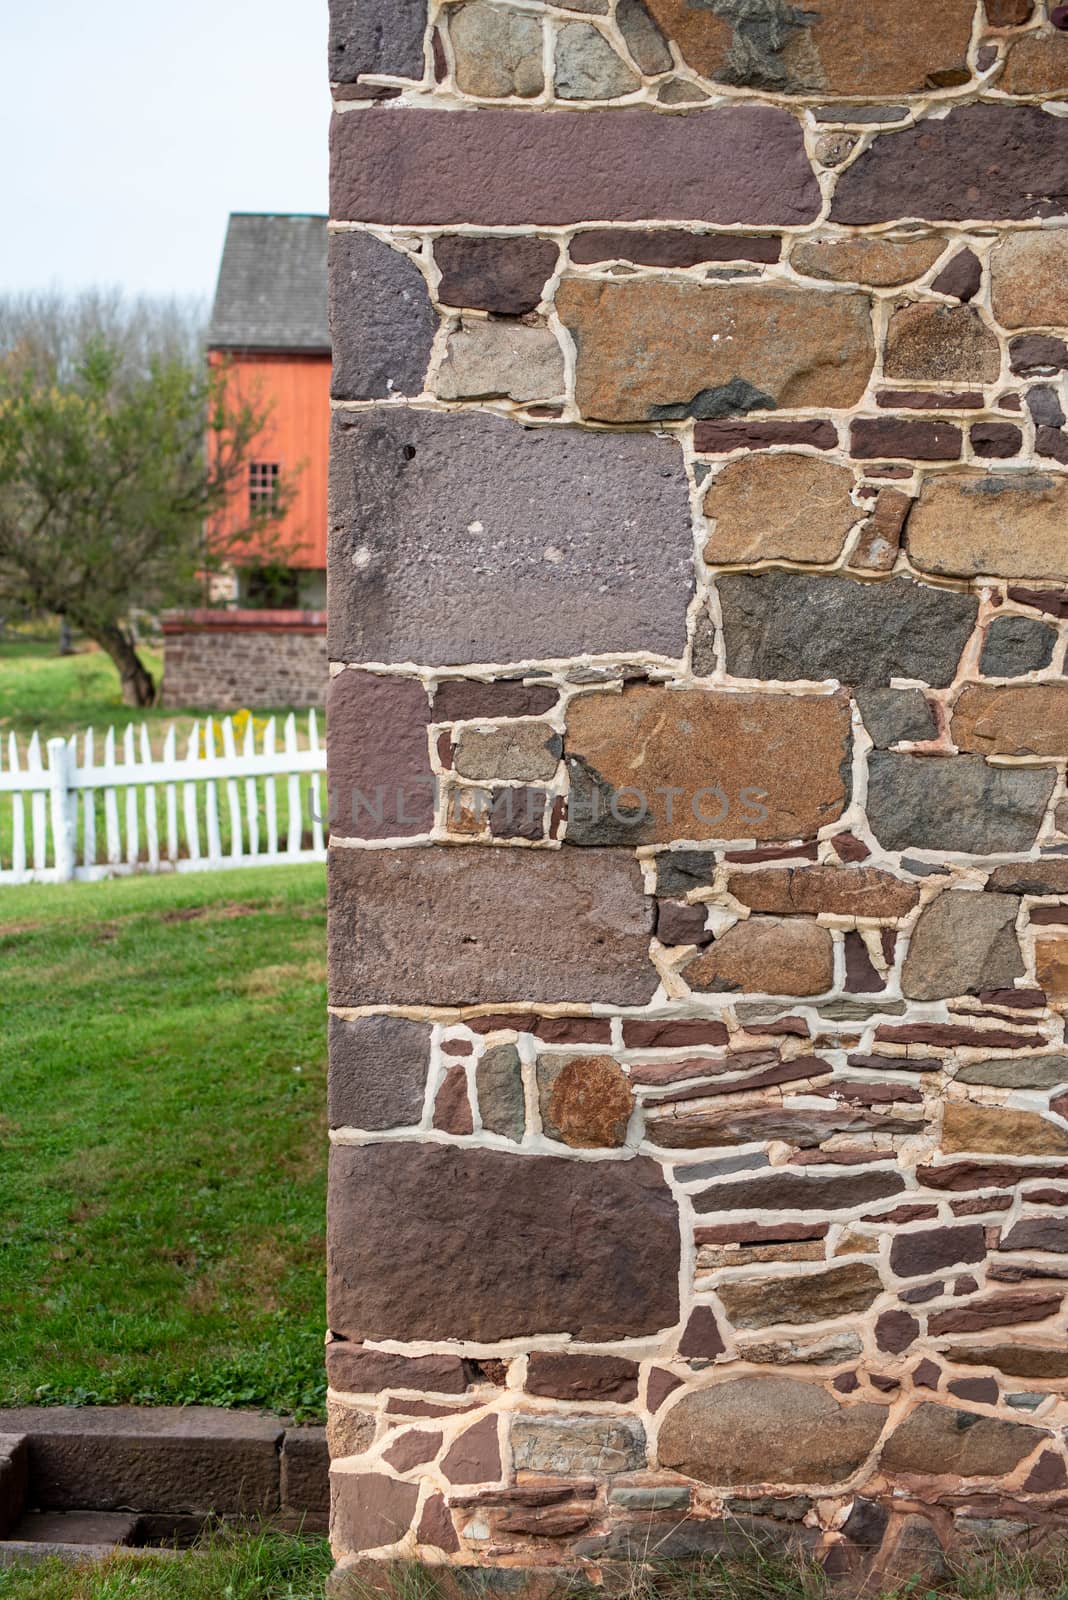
[
  {"x": 138, "y": 686},
  {"x": 66, "y": 643}
]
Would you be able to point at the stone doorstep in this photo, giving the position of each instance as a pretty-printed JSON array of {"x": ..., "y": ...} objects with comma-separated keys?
[{"x": 171, "y": 1464}]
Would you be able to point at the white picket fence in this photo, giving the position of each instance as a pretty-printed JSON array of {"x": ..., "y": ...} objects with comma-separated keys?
[{"x": 161, "y": 814}]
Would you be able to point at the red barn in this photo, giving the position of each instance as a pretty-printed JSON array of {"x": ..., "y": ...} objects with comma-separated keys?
[{"x": 269, "y": 324}]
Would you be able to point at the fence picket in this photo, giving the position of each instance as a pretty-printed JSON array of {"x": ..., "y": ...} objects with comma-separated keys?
[
  {"x": 60, "y": 839},
  {"x": 38, "y": 807},
  {"x": 270, "y": 796},
  {"x": 111, "y": 806},
  {"x": 151, "y": 819},
  {"x": 295, "y": 830},
  {"x": 233, "y": 799},
  {"x": 18, "y": 818},
  {"x": 189, "y": 797},
  {"x": 211, "y": 798},
  {"x": 170, "y": 761},
  {"x": 89, "y": 804},
  {"x": 316, "y": 787},
  {"x": 129, "y": 759},
  {"x": 252, "y": 793}
]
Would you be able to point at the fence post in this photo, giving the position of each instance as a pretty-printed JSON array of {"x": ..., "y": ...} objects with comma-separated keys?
[{"x": 63, "y": 820}]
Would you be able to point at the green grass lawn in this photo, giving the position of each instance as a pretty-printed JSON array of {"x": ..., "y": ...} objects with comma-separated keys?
[
  {"x": 64, "y": 694},
  {"x": 163, "y": 1140}
]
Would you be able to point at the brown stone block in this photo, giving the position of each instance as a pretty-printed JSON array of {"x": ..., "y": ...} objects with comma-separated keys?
[
  {"x": 882, "y": 263},
  {"x": 1051, "y": 966},
  {"x": 369, "y": 1509},
  {"x": 652, "y": 350},
  {"x": 999, "y": 1131},
  {"x": 995, "y": 1311},
  {"x": 930, "y": 343},
  {"x": 842, "y": 891},
  {"x": 662, "y": 247},
  {"x": 350, "y": 1367},
  {"x": 503, "y": 167},
  {"x": 838, "y": 50},
  {"x": 379, "y": 777},
  {"x": 559, "y": 1375},
  {"x": 437, "y": 926},
  {"x": 779, "y": 507},
  {"x": 441, "y": 1242},
  {"x": 305, "y": 1467},
  {"x": 505, "y": 276},
  {"x": 585, "y": 1103},
  {"x": 1037, "y": 64},
  {"x": 466, "y": 699},
  {"x": 987, "y": 162},
  {"x": 815, "y": 1297},
  {"x": 875, "y": 438},
  {"x": 797, "y": 1191},
  {"x": 767, "y": 955},
  {"x": 672, "y": 1033},
  {"x": 707, "y": 764},
  {"x": 716, "y": 438},
  {"x": 939, "y": 1439},
  {"x": 1027, "y": 273},
  {"x": 1020, "y": 720}
]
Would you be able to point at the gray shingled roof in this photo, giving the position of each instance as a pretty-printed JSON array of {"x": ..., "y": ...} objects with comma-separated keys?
[{"x": 271, "y": 293}]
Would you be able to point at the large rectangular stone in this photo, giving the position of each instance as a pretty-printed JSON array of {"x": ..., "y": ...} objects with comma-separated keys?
[
  {"x": 451, "y": 926},
  {"x": 459, "y": 538},
  {"x": 738, "y": 164},
  {"x": 988, "y": 162},
  {"x": 657, "y": 350},
  {"x": 440, "y": 1242},
  {"x": 163, "y": 1458},
  {"x": 1007, "y": 525}
]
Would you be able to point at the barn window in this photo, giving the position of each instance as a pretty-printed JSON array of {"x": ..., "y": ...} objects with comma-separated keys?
[{"x": 262, "y": 485}]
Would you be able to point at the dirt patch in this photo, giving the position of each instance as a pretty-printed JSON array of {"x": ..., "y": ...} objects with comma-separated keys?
[{"x": 221, "y": 913}]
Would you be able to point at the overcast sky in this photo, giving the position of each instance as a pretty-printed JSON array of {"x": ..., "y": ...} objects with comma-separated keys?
[{"x": 130, "y": 129}]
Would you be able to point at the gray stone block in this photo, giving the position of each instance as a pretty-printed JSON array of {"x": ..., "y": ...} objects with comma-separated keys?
[
  {"x": 378, "y": 1068},
  {"x": 376, "y": 36},
  {"x": 381, "y": 320},
  {"x": 469, "y": 538},
  {"x": 955, "y": 803}
]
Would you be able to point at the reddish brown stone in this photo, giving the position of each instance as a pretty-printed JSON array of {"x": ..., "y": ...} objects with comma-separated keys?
[
  {"x": 436, "y": 1526},
  {"x": 452, "y": 1107},
  {"x": 981, "y": 1205},
  {"x": 658, "y": 1386},
  {"x": 956, "y": 1175},
  {"x": 586, "y": 1102},
  {"x": 670, "y": 247},
  {"x": 678, "y": 923},
  {"x": 1054, "y": 602},
  {"x": 350, "y": 1367},
  {"x": 672, "y": 1034},
  {"x": 995, "y": 440},
  {"x": 1047, "y": 1474},
  {"x": 914, "y": 1255},
  {"x": 938, "y": 1439},
  {"x": 1008, "y": 13},
  {"x": 948, "y": 1034},
  {"x": 701, "y": 1338},
  {"x": 882, "y": 263},
  {"x": 1037, "y": 353},
  {"x": 413, "y": 1447},
  {"x": 427, "y": 1408},
  {"x": 761, "y": 1233},
  {"x": 475, "y": 1457},
  {"x": 1037, "y": 1233},
  {"x": 1037, "y": 63},
  {"x": 505, "y": 276},
  {"x": 860, "y": 975},
  {"x": 1052, "y": 444},
  {"x": 926, "y": 1374},
  {"x": 795, "y": 1191},
  {"x": 847, "y": 847},
  {"x": 466, "y": 699},
  {"x": 1048, "y": 916},
  {"x": 717, "y": 438},
  {"x": 787, "y": 852},
  {"x": 737, "y": 164},
  {"x": 407, "y": 1260},
  {"x": 995, "y": 1311},
  {"x": 874, "y": 437},
  {"x": 961, "y": 277},
  {"x": 880, "y": 539},
  {"x": 370, "y": 1509},
  {"x": 930, "y": 399},
  {"x": 866, "y": 892},
  {"x": 584, "y": 935},
  {"x": 558, "y": 1375},
  {"x": 1031, "y": 877},
  {"x": 798, "y": 1071},
  {"x": 895, "y": 1331},
  {"x": 988, "y": 162},
  {"x": 379, "y": 758}
]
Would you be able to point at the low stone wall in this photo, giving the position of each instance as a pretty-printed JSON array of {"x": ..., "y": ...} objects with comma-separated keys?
[
  {"x": 699, "y": 881},
  {"x": 231, "y": 659}
]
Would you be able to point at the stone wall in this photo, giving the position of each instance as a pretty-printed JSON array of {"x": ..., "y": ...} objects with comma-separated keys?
[
  {"x": 699, "y": 885},
  {"x": 229, "y": 659}
]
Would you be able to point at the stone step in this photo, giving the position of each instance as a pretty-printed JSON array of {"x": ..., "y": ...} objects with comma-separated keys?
[
  {"x": 14, "y": 1458},
  {"x": 78, "y": 1527},
  {"x": 179, "y": 1461}
]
